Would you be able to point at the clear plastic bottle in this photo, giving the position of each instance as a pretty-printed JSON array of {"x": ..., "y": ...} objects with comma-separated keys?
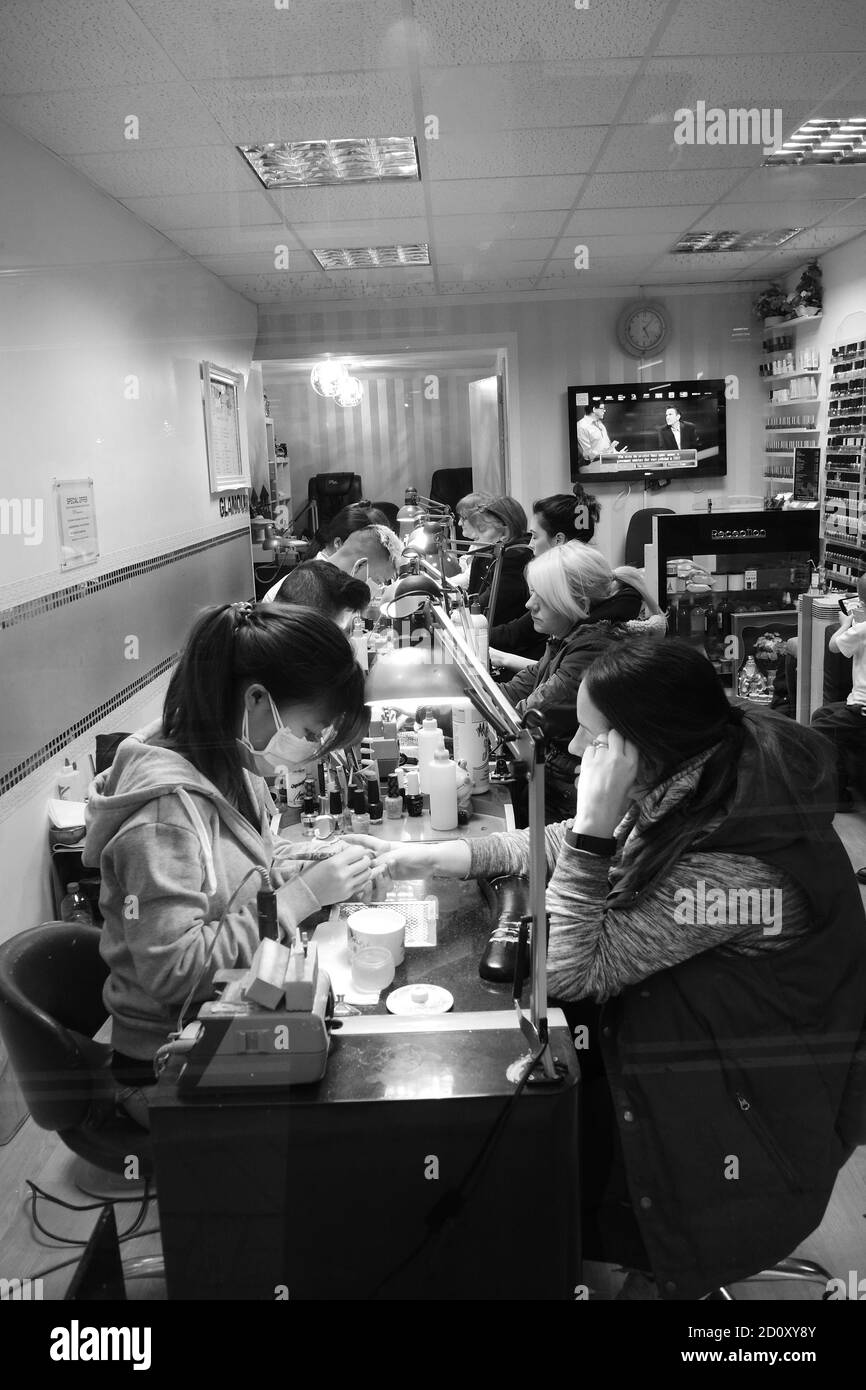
[
  {"x": 359, "y": 643},
  {"x": 429, "y": 739},
  {"x": 480, "y": 633},
  {"x": 442, "y": 785},
  {"x": 75, "y": 907}
]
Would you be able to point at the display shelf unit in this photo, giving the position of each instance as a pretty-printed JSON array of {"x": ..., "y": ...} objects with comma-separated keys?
[
  {"x": 843, "y": 473},
  {"x": 795, "y": 362}
]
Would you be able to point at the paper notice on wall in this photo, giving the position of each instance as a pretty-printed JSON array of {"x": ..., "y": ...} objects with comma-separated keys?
[{"x": 76, "y": 522}]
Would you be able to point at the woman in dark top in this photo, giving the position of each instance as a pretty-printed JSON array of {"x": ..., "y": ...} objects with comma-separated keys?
[
  {"x": 556, "y": 520},
  {"x": 502, "y": 521},
  {"x": 575, "y": 602}
]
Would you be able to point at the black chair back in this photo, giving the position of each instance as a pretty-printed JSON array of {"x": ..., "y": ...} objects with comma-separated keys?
[
  {"x": 51, "y": 980},
  {"x": 448, "y": 485},
  {"x": 640, "y": 533}
]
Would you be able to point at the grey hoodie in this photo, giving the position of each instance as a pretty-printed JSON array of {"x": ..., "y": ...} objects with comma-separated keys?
[{"x": 171, "y": 850}]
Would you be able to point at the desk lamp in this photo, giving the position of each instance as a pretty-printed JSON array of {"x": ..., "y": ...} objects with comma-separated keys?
[
  {"x": 454, "y": 673},
  {"x": 417, "y": 509}
]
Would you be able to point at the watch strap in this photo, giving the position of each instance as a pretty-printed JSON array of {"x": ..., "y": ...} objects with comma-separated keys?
[{"x": 591, "y": 844}]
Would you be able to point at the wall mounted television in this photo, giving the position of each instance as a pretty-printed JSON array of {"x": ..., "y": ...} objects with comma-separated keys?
[{"x": 639, "y": 419}]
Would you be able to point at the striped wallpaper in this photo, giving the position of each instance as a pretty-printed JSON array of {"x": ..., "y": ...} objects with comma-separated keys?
[{"x": 395, "y": 437}]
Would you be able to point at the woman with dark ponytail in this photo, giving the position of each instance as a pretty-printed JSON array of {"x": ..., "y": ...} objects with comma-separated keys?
[
  {"x": 703, "y": 900},
  {"x": 182, "y": 817}
]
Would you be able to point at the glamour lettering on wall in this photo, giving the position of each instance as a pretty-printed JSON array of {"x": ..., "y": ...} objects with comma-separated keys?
[{"x": 231, "y": 503}]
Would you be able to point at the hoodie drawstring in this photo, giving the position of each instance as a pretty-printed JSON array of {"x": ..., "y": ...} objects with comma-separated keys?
[{"x": 206, "y": 848}]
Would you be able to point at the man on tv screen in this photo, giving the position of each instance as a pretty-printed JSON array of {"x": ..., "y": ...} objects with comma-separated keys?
[
  {"x": 592, "y": 437},
  {"x": 678, "y": 433}
]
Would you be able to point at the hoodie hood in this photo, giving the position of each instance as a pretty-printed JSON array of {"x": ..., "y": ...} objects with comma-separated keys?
[{"x": 144, "y": 770}]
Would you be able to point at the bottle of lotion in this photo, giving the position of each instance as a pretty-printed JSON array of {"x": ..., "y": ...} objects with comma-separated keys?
[
  {"x": 429, "y": 739},
  {"x": 442, "y": 782}
]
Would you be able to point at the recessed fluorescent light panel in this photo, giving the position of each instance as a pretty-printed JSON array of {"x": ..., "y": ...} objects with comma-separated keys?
[
  {"x": 304, "y": 163},
  {"x": 697, "y": 243},
  {"x": 372, "y": 257},
  {"x": 822, "y": 141}
]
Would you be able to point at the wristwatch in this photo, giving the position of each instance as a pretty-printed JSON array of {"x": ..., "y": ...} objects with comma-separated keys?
[{"x": 591, "y": 844}]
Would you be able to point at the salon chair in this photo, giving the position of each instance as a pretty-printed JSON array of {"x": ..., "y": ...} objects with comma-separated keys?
[{"x": 51, "y": 981}]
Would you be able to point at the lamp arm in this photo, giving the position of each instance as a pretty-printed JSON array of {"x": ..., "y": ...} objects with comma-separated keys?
[{"x": 525, "y": 738}]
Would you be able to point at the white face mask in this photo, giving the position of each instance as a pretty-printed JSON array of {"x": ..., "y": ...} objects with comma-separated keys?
[{"x": 283, "y": 748}]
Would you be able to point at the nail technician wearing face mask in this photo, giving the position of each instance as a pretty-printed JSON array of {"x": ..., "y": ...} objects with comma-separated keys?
[{"x": 182, "y": 815}]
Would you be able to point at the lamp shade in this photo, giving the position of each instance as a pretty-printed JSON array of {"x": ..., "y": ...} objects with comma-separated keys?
[
  {"x": 408, "y": 677},
  {"x": 411, "y": 595}
]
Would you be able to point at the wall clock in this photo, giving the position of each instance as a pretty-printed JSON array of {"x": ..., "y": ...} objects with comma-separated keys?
[{"x": 643, "y": 327}]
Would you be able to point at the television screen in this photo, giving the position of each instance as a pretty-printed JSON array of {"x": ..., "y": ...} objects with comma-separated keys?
[{"x": 673, "y": 428}]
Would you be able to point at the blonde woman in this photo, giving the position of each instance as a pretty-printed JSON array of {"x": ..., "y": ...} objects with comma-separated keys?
[{"x": 580, "y": 605}]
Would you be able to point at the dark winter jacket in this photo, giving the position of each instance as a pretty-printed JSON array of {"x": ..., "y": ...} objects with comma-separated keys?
[
  {"x": 551, "y": 686},
  {"x": 513, "y": 591},
  {"x": 731, "y": 1052}
]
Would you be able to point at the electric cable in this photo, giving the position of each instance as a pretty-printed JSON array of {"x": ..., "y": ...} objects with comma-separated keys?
[
  {"x": 37, "y": 1192},
  {"x": 64, "y": 1264},
  {"x": 257, "y": 869},
  {"x": 451, "y": 1203}
]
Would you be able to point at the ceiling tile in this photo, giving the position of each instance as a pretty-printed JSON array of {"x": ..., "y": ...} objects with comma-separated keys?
[
  {"x": 514, "y": 153},
  {"x": 789, "y": 183},
  {"x": 513, "y": 248},
  {"x": 315, "y": 106},
  {"x": 360, "y": 202},
  {"x": 251, "y": 263},
  {"x": 507, "y": 285},
  {"x": 706, "y": 26},
  {"x": 94, "y": 121},
  {"x": 728, "y": 263},
  {"x": 486, "y": 268},
  {"x": 617, "y": 244},
  {"x": 454, "y": 196},
  {"x": 476, "y": 228},
  {"x": 525, "y": 95},
  {"x": 750, "y": 79},
  {"x": 226, "y": 241},
  {"x": 372, "y": 231},
  {"x": 737, "y": 216},
  {"x": 246, "y": 38},
  {"x": 847, "y": 214},
  {"x": 54, "y": 46},
  {"x": 601, "y": 221},
  {"x": 164, "y": 173},
  {"x": 204, "y": 210},
  {"x": 652, "y": 147},
  {"x": 632, "y": 190},
  {"x": 484, "y": 31}
]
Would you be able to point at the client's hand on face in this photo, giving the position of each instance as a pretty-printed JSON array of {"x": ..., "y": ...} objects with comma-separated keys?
[{"x": 608, "y": 772}]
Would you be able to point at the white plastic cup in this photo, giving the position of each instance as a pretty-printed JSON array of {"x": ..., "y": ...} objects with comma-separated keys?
[
  {"x": 377, "y": 926},
  {"x": 372, "y": 969}
]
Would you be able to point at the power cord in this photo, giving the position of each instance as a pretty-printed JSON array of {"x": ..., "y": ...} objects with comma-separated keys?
[
  {"x": 257, "y": 869},
  {"x": 36, "y": 1192},
  {"x": 451, "y": 1203},
  {"x": 64, "y": 1264}
]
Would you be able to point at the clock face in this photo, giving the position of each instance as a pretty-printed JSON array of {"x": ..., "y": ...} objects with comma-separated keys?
[{"x": 643, "y": 328}]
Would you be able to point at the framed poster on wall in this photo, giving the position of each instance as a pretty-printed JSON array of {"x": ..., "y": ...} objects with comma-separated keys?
[
  {"x": 76, "y": 522},
  {"x": 225, "y": 431}
]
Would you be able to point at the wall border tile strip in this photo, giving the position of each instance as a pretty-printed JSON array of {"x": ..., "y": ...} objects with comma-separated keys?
[
  {"x": 42, "y": 755},
  {"x": 73, "y": 593}
]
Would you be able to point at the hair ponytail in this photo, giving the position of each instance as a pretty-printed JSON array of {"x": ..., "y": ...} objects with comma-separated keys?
[{"x": 627, "y": 574}]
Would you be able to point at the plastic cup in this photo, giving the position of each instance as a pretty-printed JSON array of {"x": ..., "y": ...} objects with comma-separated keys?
[
  {"x": 377, "y": 926},
  {"x": 372, "y": 969}
]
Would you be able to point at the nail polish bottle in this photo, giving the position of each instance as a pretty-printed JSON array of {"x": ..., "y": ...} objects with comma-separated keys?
[
  {"x": 309, "y": 809},
  {"x": 414, "y": 799},
  {"x": 360, "y": 812},
  {"x": 374, "y": 797},
  {"x": 393, "y": 801}
]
